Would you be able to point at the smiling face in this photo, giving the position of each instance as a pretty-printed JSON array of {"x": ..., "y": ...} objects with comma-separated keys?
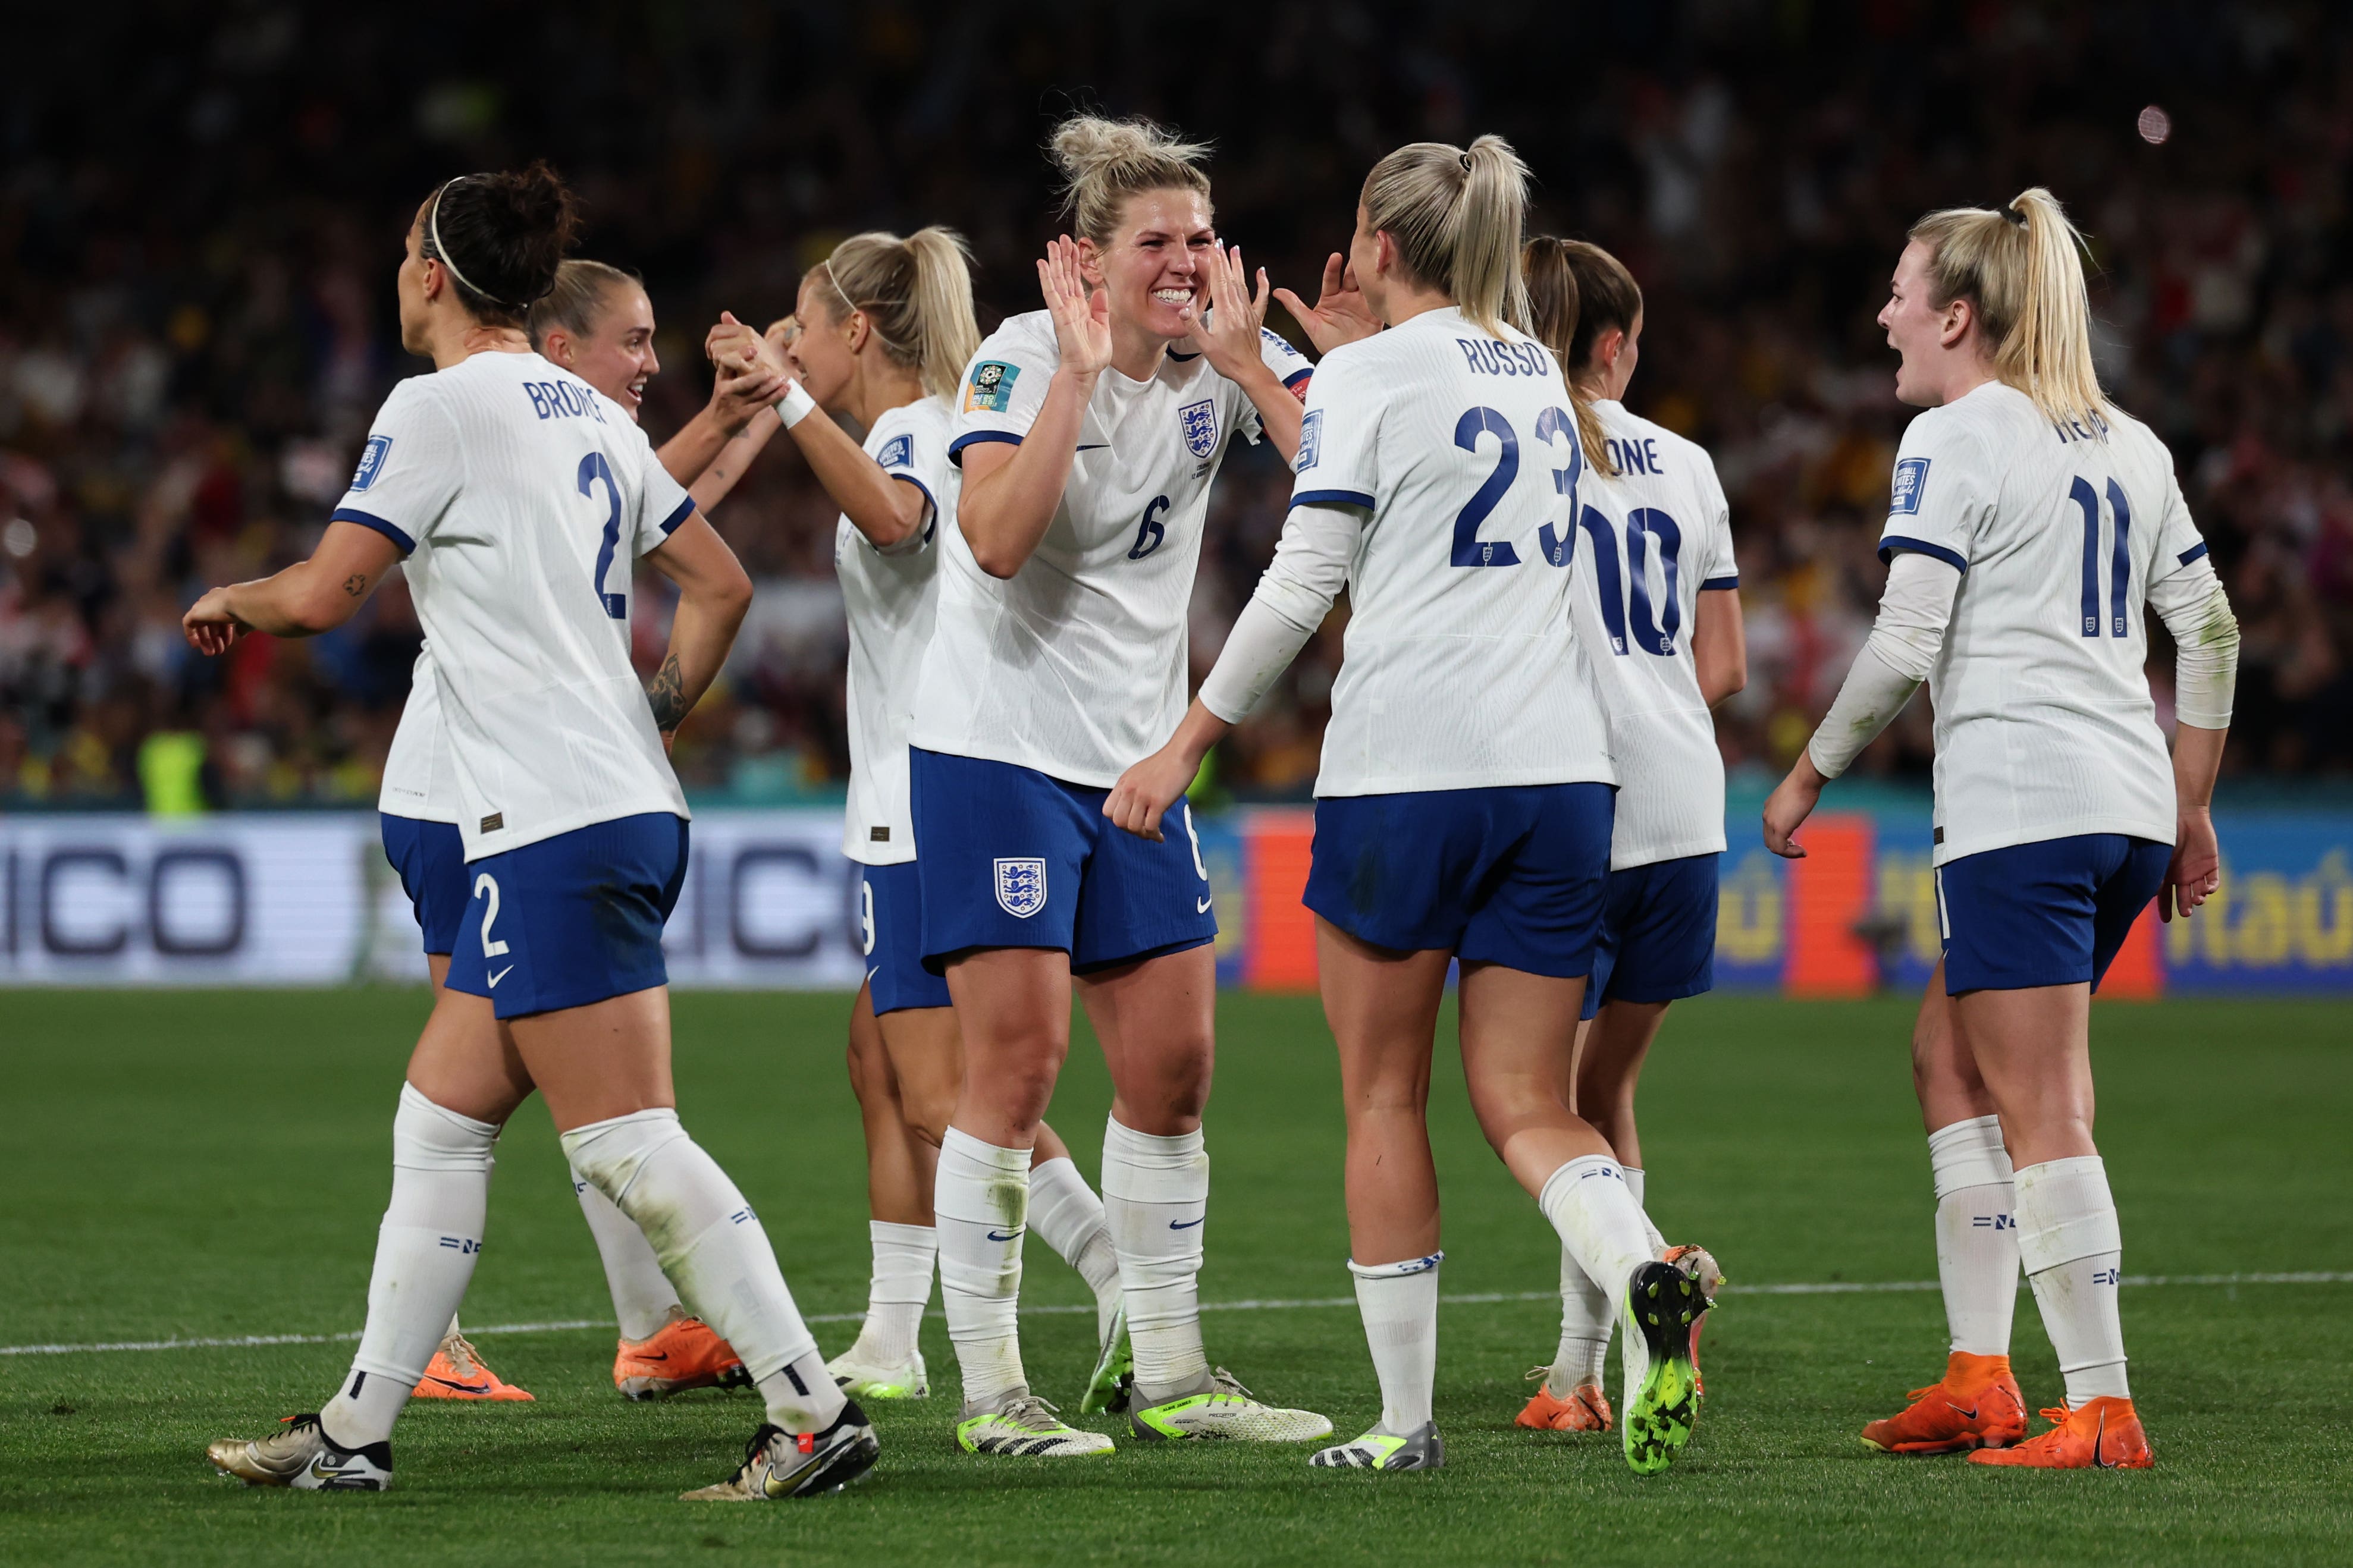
[
  {"x": 1154, "y": 269},
  {"x": 616, "y": 355},
  {"x": 1924, "y": 333},
  {"x": 825, "y": 353}
]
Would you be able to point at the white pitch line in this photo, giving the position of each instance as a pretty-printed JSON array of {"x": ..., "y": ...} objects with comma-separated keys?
[{"x": 1490, "y": 1298}]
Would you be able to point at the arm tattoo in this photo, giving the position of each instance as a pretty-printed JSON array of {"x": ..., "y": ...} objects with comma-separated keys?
[
  {"x": 669, "y": 698},
  {"x": 355, "y": 585}
]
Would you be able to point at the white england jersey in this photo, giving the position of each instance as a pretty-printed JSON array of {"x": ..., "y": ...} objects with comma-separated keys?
[
  {"x": 2045, "y": 728},
  {"x": 890, "y": 596},
  {"x": 1649, "y": 542},
  {"x": 1459, "y": 670},
  {"x": 1076, "y": 665},
  {"x": 420, "y": 781},
  {"x": 523, "y": 498}
]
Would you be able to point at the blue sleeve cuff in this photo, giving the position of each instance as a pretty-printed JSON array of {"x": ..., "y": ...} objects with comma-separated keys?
[
  {"x": 974, "y": 437},
  {"x": 1332, "y": 497},
  {"x": 1715, "y": 582},
  {"x": 1293, "y": 380},
  {"x": 2193, "y": 553},
  {"x": 930, "y": 500},
  {"x": 369, "y": 519},
  {"x": 685, "y": 509},
  {"x": 1890, "y": 543}
]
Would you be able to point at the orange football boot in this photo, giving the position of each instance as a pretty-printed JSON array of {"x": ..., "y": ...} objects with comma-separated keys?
[
  {"x": 684, "y": 1352},
  {"x": 1586, "y": 1408},
  {"x": 1976, "y": 1405},
  {"x": 1699, "y": 1264},
  {"x": 2104, "y": 1435},
  {"x": 456, "y": 1372}
]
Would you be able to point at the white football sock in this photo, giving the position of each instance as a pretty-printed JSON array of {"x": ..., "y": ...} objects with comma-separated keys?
[
  {"x": 424, "y": 1252},
  {"x": 1066, "y": 1216},
  {"x": 1583, "y": 1330},
  {"x": 714, "y": 1247},
  {"x": 1156, "y": 1196},
  {"x": 981, "y": 1202},
  {"x": 642, "y": 1294},
  {"x": 1977, "y": 1234},
  {"x": 1398, "y": 1302},
  {"x": 1635, "y": 1184},
  {"x": 2074, "y": 1252},
  {"x": 1599, "y": 1222},
  {"x": 901, "y": 1288}
]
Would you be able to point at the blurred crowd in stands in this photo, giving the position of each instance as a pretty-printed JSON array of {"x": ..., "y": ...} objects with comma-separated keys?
[{"x": 203, "y": 209}]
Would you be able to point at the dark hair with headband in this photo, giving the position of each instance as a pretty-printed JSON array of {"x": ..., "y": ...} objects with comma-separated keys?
[{"x": 502, "y": 237}]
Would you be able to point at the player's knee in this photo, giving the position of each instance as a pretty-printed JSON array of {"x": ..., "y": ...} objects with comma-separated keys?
[{"x": 927, "y": 1112}]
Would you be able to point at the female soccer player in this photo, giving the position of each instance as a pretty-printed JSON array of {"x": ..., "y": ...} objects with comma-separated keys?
[
  {"x": 1654, "y": 556},
  {"x": 1088, "y": 434},
  {"x": 2031, "y": 522},
  {"x": 511, "y": 487},
  {"x": 881, "y": 332},
  {"x": 597, "y": 323},
  {"x": 1463, "y": 809}
]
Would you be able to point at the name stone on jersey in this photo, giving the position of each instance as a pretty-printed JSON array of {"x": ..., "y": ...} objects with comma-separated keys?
[
  {"x": 1199, "y": 423},
  {"x": 1021, "y": 886},
  {"x": 1911, "y": 478}
]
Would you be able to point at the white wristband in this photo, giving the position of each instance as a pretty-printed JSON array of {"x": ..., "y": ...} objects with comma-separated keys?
[{"x": 794, "y": 406}]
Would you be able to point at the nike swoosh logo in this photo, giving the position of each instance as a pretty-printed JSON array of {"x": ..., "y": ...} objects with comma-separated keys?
[
  {"x": 1969, "y": 1414},
  {"x": 502, "y": 974},
  {"x": 1200, "y": 906},
  {"x": 1185, "y": 1224},
  {"x": 642, "y": 1356},
  {"x": 995, "y": 1235},
  {"x": 873, "y": 972},
  {"x": 461, "y": 1387},
  {"x": 1094, "y": 446}
]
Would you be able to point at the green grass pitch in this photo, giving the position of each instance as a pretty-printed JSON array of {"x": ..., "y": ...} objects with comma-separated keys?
[{"x": 211, "y": 1164}]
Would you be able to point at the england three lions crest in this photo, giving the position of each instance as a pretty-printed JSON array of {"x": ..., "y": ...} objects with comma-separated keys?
[
  {"x": 1199, "y": 423},
  {"x": 1021, "y": 886}
]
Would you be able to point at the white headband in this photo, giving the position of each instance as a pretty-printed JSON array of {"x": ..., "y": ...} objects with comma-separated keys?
[{"x": 441, "y": 251}]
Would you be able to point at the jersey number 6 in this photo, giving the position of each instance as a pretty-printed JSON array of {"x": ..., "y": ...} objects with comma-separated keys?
[{"x": 1151, "y": 530}]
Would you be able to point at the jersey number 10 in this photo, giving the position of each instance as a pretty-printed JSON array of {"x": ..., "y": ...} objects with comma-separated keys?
[{"x": 2119, "y": 561}]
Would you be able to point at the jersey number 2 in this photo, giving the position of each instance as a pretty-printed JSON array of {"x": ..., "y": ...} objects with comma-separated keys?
[
  {"x": 592, "y": 469},
  {"x": 2119, "y": 558}
]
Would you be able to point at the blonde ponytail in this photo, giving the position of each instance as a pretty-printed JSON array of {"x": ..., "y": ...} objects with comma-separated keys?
[
  {"x": 1455, "y": 214},
  {"x": 1105, "y": 161},
  {"x": 2022, "y": 270},
  {"x": 916, "y": 295}
]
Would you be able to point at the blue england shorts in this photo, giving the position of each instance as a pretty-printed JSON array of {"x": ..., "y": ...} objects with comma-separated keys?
[
  {"x": 571, "y": 920},
  {"x": 431, "y": 859},
  {"x": 1013, "y": 857},
  {"x": 890, "y": 918},
  {"x": 1512, "y": 875},
  {"x": 2051, "y": 914},
  {"x": 1657, "y": 942}
]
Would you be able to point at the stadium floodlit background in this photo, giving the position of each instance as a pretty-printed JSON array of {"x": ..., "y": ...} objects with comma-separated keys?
[{"x": 201, "y": 208}]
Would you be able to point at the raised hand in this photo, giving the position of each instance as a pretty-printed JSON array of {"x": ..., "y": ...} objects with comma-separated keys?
[
  {"x": 1225, "y": 330},
  {"x": 1339, "y": 314},
  {"x": 779, "y": 345},
  {"x": 1082, "y": 314},
  {"x": 731, "y": 343}
]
